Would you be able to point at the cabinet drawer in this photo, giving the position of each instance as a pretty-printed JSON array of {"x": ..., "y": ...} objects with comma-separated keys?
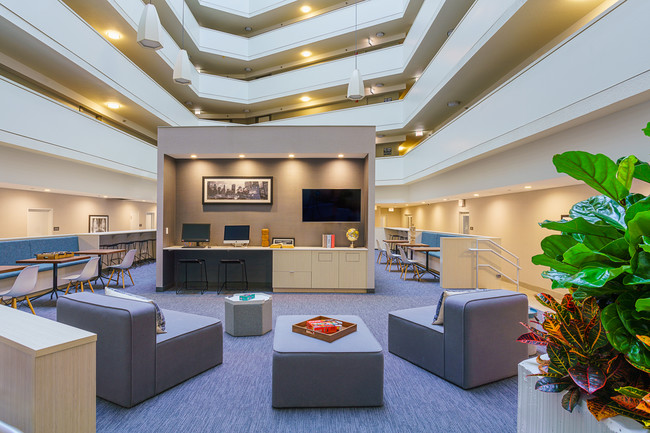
[
  {"x": 292, "y": 261},
  {"x": 289, "y": 279}
]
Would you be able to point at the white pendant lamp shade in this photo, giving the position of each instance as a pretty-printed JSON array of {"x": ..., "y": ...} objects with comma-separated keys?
[
  {"x": 183, "y": 68},
  {"x": 149, "y": 28},
  {"x": 356, "y": 90}
]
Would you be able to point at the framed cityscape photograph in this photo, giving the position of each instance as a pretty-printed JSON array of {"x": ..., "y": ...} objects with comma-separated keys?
[
  {"x": 97, "y": 223},
  {"x": 237, "y": 189}
]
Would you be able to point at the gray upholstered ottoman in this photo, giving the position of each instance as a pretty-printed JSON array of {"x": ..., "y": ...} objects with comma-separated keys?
[
  {"x": 312, "y": 373},
  {"x": 252, "y": 317}
]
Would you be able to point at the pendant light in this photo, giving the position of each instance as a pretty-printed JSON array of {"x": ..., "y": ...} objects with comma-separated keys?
[
  {"x": 183, "y": 67},
  {"x": 149, "y": 28},
  {"x": 356, "y": 90}
]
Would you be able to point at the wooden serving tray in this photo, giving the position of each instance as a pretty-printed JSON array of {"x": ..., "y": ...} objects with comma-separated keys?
[{"x": 301, "y": 328}]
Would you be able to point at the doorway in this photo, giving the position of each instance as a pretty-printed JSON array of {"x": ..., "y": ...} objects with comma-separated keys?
[
  {"x": 40, "y": 222},
  {"x": 150, "y": 220},
  {"x": 463, "y": 223}
]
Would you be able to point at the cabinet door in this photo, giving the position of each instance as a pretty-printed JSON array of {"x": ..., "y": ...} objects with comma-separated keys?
[
  {"x": 352, "y": 269},
  {"x": 291, "y": 280},
  {"x": 324, "y": 270},
  {"x": 292, "y": 260}
]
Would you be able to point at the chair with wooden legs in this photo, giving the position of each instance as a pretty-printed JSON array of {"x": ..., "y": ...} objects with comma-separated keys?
[
  {"x": 87, "y": 273},
  {"x": 391, "y": 258},
  {"x": 127, "y": 262},
  {"x": 381, "y": 251},
  {"x": 406, "y": 262},
  {"x": 23, "y": 286}
]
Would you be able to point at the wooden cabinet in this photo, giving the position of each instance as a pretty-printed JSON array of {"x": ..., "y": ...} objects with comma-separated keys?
[
  {"x": 324, "y": 269},
  {"x": 48, "y": 374},
  {"x": 292, "y": 269},
  {"x": 352, "y": 269}
]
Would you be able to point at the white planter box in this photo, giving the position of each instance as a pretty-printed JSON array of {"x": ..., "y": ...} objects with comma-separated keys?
[{"x": 542, "y": 412}]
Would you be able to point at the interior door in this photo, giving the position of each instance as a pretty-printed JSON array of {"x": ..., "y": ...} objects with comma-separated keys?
[
  {"x": 463, "y": 223},
  {"x": 150, "y": 220},
  {"x": 40, "y": 222}
]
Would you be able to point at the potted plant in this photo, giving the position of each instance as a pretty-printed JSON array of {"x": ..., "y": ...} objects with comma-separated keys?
[{"x": 602, "y": 255}]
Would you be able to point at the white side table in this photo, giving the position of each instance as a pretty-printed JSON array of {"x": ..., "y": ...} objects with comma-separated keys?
[{"x": 246, "y": 318}]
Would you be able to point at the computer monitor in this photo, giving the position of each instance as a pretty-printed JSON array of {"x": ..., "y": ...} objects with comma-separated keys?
[
  {"x": 236, "y": 235},
  {"x": 195, "y": 233}
]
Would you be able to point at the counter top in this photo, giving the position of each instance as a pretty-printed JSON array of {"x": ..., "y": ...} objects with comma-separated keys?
[{"x": 258, "y": 248}]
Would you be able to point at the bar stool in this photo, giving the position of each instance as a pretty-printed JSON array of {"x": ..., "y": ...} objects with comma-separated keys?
[
  {"x": 203, "y": 271},
  {"x": 225, "y": 263}
]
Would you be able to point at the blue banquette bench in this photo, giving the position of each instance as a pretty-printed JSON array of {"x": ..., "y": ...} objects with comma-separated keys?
[
  {"x": 433, "y": 240},
  {"x": 13, "y": 250}
]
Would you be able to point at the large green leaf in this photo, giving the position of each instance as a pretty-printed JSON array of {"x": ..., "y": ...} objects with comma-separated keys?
[
  {"x": 580, "y": 255},
  {"x": 597, "y": 243},
  {"x": 593, "y": 277},
  {"x": 639, "y": 206},
  {"x": 543, "y": 260},
  {"x": 637, "y": 228},
  {"x": 625, "y": 172},
  {"x": 633, "y": 349},
  {"x": 636, "y": 322},
  {"x": 633, "y": 198},
  {"x": 642, "y": 171},
  {"x": 582, "y": 226},
  {"x": 617, "y": 248},
  {"x": 646, "y": 130},
  {"x": 642, "y": 304},
  {"x": 554, "y": 246},
  {"x": 640, "y": 265},
  {"x": 600, "y": 208},
  {"x": 597, "y": 171}
]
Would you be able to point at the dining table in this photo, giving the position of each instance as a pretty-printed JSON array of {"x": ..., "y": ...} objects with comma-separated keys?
[
  {"x": 101, "y": 252},
  {"x": 10, "y": 268},
  {"x": 392, "y": 242},
  {"x": 55, "y": 264},
  {"x": 426, "y": 251},
  {"x": 409, "y": 246}
]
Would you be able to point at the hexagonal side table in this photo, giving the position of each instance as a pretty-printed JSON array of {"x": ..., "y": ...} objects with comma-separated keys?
[{"x": 246, "y": 318}]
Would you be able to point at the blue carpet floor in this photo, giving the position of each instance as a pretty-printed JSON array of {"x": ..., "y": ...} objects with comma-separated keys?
[{"x": 236, "y": 396}]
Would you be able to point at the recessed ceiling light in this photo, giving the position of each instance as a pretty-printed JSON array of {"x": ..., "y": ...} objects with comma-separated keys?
[
  {"x": 113, "y": 105},
  {"x": 475, "y": 195},
  {"x": 105, "y": 196},
  {"x": 192, "y": 156},
  {"x": 241, "y": 155},
  {"x": 341, "y": 155},
  {"x": 423, "y": 202},
  {"x": 528, "y": 187},
  {"x": 380, "y": 135},
  {"x": 306, "y": 53},
  {"x": 390, "y": 209},
  {"x": 419, "y": 133},
  {"x": 47, "y": 190},
  {"x": 246, "y": 110},
  {"x": 248, "y": 29},
  {"x": 197, "y": 111},
  {"x": 305, "y": 99},
  {"x": 453, "y": 103},
  {"x": 445, "y": 199},
  {"x": 291, "y": 155},
  {"x": 247, "y": 69},
  {"x": 449, "y": 32},
  {"x": 379, "y": 85},
  {"x": 113, "y": 34},
  {"x": 305, "y": 9},
  {"x": 400, "y": 148},
  {"x": 380, "y": 34}
]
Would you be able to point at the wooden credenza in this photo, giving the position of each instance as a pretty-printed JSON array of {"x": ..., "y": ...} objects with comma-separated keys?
[{"x": 47, "y": 374}]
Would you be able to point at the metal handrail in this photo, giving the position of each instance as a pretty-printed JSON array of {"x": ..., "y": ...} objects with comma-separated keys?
[{"x": 516, "y": 265}]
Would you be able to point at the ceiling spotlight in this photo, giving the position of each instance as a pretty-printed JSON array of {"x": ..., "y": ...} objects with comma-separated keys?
[
  {"x": 291, "y": 155},
  {"x": 475, "y": 195},
  {"x": 248, "y": 29},
  {"x": 341, "y": 155},
  {"x": 197, "y": 111},
  {"x": 419, "y": 133},
  {"x": 113, "y": 34},
  {"x": 241, "y": 155},
  {"x": 449, "y": 32},
  {"x": 380, "y": 135},
  {"x": 47, "y": 190},
  {"x": 113, "y": 105},
  {"x": 305, "y": 9},
  {"x": 305, "y": 53},
  {"x": 380, "y": 34},
  {"x": 390, "y": 209},
  {"x": 305, "y": 99},
  {"x": 379, "y": 85},
  {"x": 246, "y": 110},
  {"x": 528, "y": 187},
  {"x": 423, "y": 202},
  {"x": 453, "y": 103},
  {"x": 105, "y": 196},
  {"x": 247, "y": 69},
  {"x": 192, "y": 156}
]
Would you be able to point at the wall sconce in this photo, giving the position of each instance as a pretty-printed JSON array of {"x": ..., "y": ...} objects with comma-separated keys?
[
  {"x": 390, "y": 209},
  {"x": 461, "y": 202}
]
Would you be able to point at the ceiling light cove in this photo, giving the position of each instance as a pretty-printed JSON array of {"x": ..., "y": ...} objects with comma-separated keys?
[
  {"x": 113, "y": 105},
  {"x": 305, "y": 99},
  {"x": 113, "y": 34},
  {"x": 306, "y": 53},
  {"x": 305, "y": 9}
]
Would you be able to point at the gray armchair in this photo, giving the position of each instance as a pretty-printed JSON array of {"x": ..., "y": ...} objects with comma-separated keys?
[
  {"x": 475, "y": 345},
  {"x": 133, "y": 362}
]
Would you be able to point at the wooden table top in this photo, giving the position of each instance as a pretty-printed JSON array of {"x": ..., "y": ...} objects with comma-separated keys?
[
  {"x": 423, "y": 249},
  {"x": 53, "y": 261},
  {"x": 10, "y": 268},
  {"x": 102, "y": 252},
  {"x": 394, "y": 241},
  {"x": 413, "y": 245}
]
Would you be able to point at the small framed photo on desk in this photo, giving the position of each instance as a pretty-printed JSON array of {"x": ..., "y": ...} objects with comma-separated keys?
[{"x": 284, "y": 241}]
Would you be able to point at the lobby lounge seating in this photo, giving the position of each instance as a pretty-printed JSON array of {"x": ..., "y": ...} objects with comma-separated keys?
[
  {"x": 133, "y": 362},
  {"x": 10, "y": 251},
  {"x": 475, "y": 345},
  {"x": 23, "y": 285}
]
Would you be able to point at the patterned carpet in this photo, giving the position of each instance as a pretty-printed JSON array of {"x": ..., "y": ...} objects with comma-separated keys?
[{"x": 236, "y": 396}]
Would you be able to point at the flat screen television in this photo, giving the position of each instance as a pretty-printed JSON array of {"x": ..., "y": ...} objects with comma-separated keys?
[
  {"x": 331, "y": 205},
  {"x": 195, "y": 233},
  {"x": 236, "y": 235}
]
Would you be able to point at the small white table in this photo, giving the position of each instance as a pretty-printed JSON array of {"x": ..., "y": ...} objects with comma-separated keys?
[{"x": 246, "y": 318}]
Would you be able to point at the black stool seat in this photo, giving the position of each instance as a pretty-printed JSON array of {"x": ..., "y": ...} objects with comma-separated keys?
[
  {"x": 204, "y": 274},
  {"x": 244, "y": 274}
]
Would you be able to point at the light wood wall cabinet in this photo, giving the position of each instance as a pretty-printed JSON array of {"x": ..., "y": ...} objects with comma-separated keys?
[
  {"x": 48, "y": 374},
  {"x": 320, "y": 270}
]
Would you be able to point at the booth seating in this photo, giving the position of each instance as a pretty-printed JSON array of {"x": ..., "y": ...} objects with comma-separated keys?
[
  {"x": 476, "y": 343},
  {"x": 135, "y": 363},
  {"x": 10, "y": 251}
]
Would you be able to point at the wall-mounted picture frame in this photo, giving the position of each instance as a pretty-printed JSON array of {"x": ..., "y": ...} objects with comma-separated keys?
[
  {"x": 97, "y": 223},
  {"x": 284, "y": 241},
  {"x": 237, "y": 189}
]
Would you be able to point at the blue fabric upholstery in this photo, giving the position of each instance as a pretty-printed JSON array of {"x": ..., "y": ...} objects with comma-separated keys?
[
  {"x": 47, "y": 245},
  {"x": 10, "y": 251},
  {"x": 433, "y": 240}
]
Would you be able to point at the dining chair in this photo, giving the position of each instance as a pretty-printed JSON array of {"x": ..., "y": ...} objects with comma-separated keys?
[
  {"x": 22, "y": 287},
  {"x": 381, "y": 251},
  {"x": 391, "y": 258},
  {"x": 406, "y": 262},
  {"x": 127, "y": 262},
  {"x": 87, "y": 273}
]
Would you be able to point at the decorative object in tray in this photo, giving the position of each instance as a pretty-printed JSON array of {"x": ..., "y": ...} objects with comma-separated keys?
[
  {"x": 54, "y": 255},
  {"x": 324, "y": 328}
]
